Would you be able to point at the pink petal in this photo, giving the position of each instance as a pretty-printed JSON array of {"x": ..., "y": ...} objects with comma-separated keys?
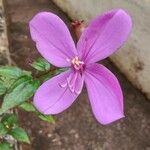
[
  {"x": 79, "y": 84},
  {"x": 51, "y": 98},
  {"x": 53, "y": 39},
  {"x": 75, "y": 82},
  {"x": 104, "y": 93},
  {"x": 104, "y": 35}
]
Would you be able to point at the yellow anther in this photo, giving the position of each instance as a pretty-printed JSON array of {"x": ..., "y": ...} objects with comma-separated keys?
[{"x": 76, "y": 61}]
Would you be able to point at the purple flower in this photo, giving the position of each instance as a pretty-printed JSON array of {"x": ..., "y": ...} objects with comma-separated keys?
[{"x": 100, "y": 39}]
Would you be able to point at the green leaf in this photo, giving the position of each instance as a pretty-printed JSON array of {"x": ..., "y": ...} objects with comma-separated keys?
[
  {"x": 41, "y": 65},
  {"x": 9, "y": 120},
  {"x": 27, "y": 107},
  {"x": 8, "y": 74},
  {"x": 20, "y": 135},
  {"x": 12, "y": 72},
  {"x": 17, "y": 82},
  {"x": 3, "y": 129},
  {"x": 2, "y": 88},
  {"x": 47, "y": 118},
  {"x": 5, "y": 146},
  {"x": 7, "y": 81},
  {"x": 21, "y": 92}
]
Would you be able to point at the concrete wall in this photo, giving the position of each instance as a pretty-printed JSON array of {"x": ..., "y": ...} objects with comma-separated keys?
[
  {"x": 133, "y": 59},
  {"x": 4, "y": 52}
]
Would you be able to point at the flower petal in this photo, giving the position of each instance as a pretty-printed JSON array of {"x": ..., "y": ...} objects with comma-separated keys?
[
  {"x": 51, "y": 98},
  {"x": 104, "y": 93},
  {"x": 104, "y": 35},
  {"x": 79, "y": 84},
  {"x": 75, "y": 82},
  {"x": 53, "y": 39}
]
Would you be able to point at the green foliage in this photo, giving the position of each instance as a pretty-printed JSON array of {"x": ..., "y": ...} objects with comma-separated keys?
[
  {"x": 9, "y": 125},
  {"x": 2, "y": 88},
  {"x": 27, "y": 107},
  {"x": 8, "y": 74},
  {"x": 20, "y": 91},
  {"x": 9, "y": 120},
  {"x": 41, "y": 65},
  {"x": 12, "y": 72},
  {"x": 17, "y": 87},
  {"x": 20, "y": 135},
  {"x": 5, "y": 146},
  {"x": 47, "y": 118},
  {"x": 3, "y": 129}
]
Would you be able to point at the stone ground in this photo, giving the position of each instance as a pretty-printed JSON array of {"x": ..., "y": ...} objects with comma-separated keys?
[{"x": 75, "y": 129}]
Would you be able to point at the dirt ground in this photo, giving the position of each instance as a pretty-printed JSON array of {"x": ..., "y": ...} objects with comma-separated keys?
[{"x": 76, "y": 128}]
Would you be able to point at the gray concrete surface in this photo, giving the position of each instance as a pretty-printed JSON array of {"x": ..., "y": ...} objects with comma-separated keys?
[
  {"x": 76, "y": 128},
  {"x": 133, "y": 59},
  {"x": 4, "y": 52}
]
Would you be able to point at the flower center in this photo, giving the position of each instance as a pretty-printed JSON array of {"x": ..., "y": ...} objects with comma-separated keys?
[{"x": 77, "y": 64}]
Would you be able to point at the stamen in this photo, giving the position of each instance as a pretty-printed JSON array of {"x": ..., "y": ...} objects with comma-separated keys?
[{"x": 77, "y": 63}]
